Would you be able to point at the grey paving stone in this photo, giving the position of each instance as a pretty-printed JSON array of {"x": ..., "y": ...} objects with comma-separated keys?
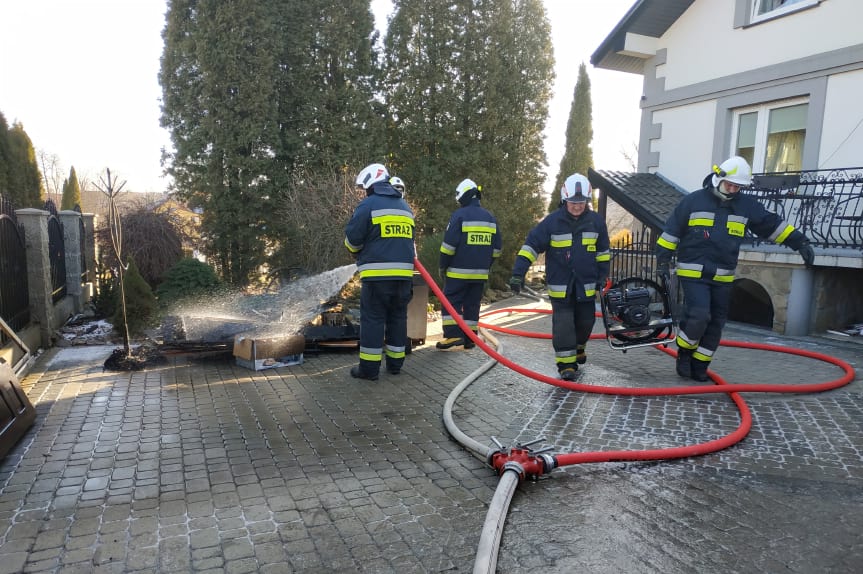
[{"x": 302, "y": 469}]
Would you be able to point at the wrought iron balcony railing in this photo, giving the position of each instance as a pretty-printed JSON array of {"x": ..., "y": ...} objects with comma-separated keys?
[{"x": 826, "y": 205}]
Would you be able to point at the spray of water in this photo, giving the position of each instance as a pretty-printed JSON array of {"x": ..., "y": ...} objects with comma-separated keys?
[{"x": 283, "y": 312}]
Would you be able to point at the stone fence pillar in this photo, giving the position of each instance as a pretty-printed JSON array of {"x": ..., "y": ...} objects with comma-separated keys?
[{"x": 35, "y": 224}]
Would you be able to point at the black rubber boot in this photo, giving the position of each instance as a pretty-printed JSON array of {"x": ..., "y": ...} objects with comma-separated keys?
[
  {"x": 569, "y": 373},
  {"x": 358, "y": 373},
  {"x": 468, "y": 343},
  {"x": 684, "y": 363},
  {"x": 698, "y": 372}
]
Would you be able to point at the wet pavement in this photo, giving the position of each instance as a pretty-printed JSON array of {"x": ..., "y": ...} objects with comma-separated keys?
[{"x": 200, "y": 465}]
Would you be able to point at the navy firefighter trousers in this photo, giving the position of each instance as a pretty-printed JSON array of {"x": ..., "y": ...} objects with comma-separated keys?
[{"x": 384, "y": 323}]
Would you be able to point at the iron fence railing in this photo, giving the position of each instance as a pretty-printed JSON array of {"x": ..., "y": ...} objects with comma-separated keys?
[
  {"x": 636, "y": 259},
  {"x": 826, "y": 205},
  {"x": 14, "y": 291},
  {"x": 56, "y": 253}
]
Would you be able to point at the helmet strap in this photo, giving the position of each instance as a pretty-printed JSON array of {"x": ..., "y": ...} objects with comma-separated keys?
[{"x": 717, "y": 191}]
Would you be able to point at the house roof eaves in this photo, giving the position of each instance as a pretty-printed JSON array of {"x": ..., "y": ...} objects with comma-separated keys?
[{"x": 647, "y": 18}]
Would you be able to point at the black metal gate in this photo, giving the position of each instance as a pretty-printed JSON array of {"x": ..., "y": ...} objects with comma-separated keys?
[
  {"x": 56, "y": 253},
  {"x": 638, "y": 259},
  {"x": 14, "y": 297}
]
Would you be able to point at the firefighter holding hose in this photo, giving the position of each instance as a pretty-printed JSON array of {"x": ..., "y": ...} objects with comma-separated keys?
[
  {"x": 380, "y": 235},
  {"x": 575, "y": 241},
  {"x": 705, "y": 231}
]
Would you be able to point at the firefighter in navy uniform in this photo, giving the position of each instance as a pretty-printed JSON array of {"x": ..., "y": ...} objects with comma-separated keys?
[
  {"x": 470, "y": 245},
  {"x": 705, "y": 230},
  {"x": 575, "y": 241},
  {"x": 380, "y": 235}
]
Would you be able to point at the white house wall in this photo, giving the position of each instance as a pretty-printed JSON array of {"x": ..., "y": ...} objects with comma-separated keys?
[
  {"x": 842, "y": 133},
  {"x": 716, "y": 49},
  {"x": 687, "y": 139},
  {"x": 816, "y": 53}
]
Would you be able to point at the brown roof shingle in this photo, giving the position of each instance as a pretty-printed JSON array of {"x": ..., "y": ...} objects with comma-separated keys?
[{"x": 648, "y": 196}]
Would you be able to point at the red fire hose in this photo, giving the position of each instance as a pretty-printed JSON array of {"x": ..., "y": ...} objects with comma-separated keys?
[
  {"x": 721, "y": 386},
  {"x": 515, "y": 463}
]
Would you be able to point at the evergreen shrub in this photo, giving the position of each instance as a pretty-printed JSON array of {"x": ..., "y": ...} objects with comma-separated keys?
[
  {"x": 188, "y": 279},
  {"x": 141, "y": 306}
]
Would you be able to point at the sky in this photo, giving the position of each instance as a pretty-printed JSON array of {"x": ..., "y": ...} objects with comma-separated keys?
[{"x": 82, "y": 78}]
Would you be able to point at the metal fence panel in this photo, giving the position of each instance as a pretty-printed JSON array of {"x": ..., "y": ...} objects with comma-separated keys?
[{"x": 14, "y": 293}]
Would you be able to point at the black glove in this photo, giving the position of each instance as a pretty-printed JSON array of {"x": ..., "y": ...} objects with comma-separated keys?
[
  {"x": 807, "y": 253},
  {"x": 516, "y": 283}
]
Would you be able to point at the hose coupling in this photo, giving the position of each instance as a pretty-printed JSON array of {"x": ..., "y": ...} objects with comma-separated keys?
[
  {"x": 549, "y": 462},
  {"x": 523, "y": 461},
  {"x": 512, "y": 465}
]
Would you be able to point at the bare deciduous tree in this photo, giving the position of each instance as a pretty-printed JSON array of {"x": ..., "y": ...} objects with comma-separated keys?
[
  {"x": 53, "y": 174},
  {"x": 315, "y": 210},
  {"x": 115, "y": 229},
  {"x": 631, "y": 155},
  {"x": 154, "y": 239}
]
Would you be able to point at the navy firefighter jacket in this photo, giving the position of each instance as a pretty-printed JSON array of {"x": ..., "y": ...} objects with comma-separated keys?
[
  {"x": 381, "y": 235},
  {"x": 706, "y": 232},
  {"x": 471, "y": 243},
  {"x": 577, "y": 253}
]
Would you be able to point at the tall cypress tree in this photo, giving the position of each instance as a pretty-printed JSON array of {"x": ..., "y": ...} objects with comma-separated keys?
[
  {"x": 329, "y": 116},
  {"x": 469, "y": 83},
  {"x": 71, "y": 191},
  {"x": 254, "y": 92},
  {"x": 5, "y": 158},
  {"x": 425, "y": 103},
  {"x": 25, "y": 181},
  {"x": 220, "y": 104},
  {"x": 330, "y": 66},
  {"x": 578, "y": 155}
]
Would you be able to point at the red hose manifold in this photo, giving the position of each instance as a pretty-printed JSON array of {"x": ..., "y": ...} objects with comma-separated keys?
[{"x": 523, "y": 461}]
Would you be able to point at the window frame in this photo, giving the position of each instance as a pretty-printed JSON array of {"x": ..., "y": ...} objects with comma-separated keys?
[
  {"x": 746, "y": 11},
  {"x": 763, "y": 109}
]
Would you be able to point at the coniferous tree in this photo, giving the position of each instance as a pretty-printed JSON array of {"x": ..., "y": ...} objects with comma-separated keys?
[
  {"x": 220, "y": 104},
  {"x": 456, "y": 110},
  {"x": 578, "y": 155},
  {"x": 327, "y": 90},
  {"x": 331, "y": 122},
  {"x": 5, "y": 158},
  {"x": 71, "y": 191},
  {"x": 255, "y": 91},
  {"x": 24, "y": 180}
]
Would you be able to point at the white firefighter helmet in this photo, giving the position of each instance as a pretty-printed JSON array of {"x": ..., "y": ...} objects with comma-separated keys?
[
  {"x": 397, "y": 183},
  {"x": 372, "y": 174},
  {"x": 576, "y": 189},
  {"x": 735, "y": 169},
  {"x": 464, "y": 187}
]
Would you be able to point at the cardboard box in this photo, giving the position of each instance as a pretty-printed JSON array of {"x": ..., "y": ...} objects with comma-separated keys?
[{"x": 258, "y": 353}]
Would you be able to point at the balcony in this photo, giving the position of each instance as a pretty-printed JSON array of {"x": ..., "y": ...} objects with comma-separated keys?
[{"x": 826, "y": 205}]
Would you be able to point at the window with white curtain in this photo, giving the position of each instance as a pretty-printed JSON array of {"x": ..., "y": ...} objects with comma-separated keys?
[{"x": 771, "y": 136}]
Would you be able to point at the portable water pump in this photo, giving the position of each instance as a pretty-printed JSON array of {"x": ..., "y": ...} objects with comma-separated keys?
[{"x": 637, "y": 312}]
